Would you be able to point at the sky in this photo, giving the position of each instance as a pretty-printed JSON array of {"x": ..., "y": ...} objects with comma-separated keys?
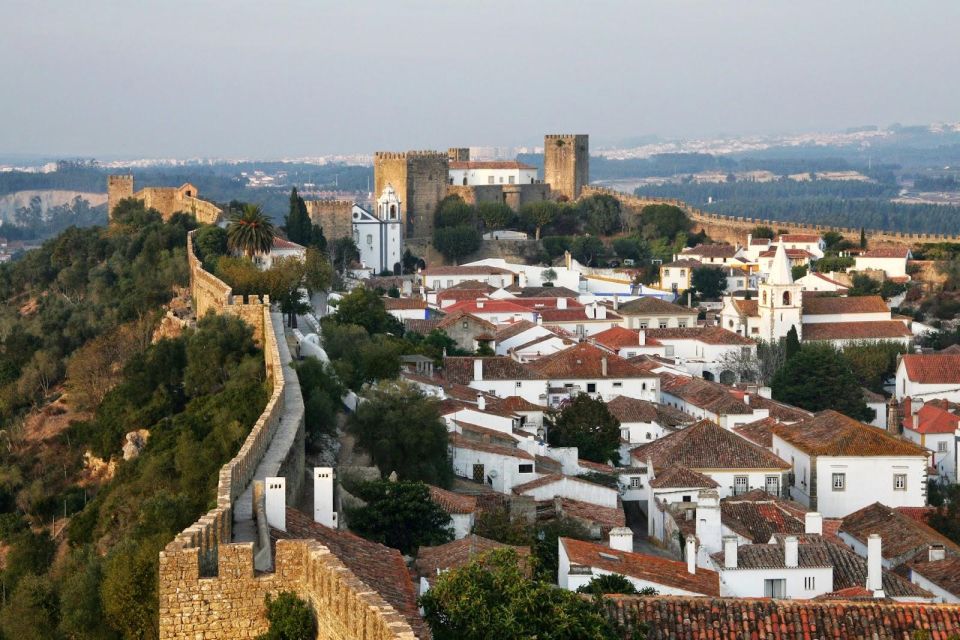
[{"x": 212, "y": 78}]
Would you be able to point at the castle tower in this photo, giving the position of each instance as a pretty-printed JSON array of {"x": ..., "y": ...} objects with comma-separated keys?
[
  {"x": 118, "y": 188},
  {"x": 420, "y": 181},
  {"x": 458, "y": 154},
  {"x": 566, "y": 164},
  {"x": 780, "y": 300}
]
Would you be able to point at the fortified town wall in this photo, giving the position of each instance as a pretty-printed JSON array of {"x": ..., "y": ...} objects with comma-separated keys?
[
  {"x": 735, "y": 229},
  {"x": 166, "y": 200},
  {"x": 208, "y": 587}
]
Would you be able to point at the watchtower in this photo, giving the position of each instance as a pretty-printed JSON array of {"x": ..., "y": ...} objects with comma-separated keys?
[
  {"x": 118, "y": 188},
  {"x": 566, "y": 164},
  {"x": 419, "y": 179}
]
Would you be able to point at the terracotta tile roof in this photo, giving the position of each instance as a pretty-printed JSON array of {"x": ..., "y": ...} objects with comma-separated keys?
[
  {"x": 799, "y": 237},
  {"x": 855, "y": 330},
  {"x": 954, "y": 348},
  {"x": 920, "y": 514},
  {"x": 420, "y": 325},
  {"x": 746, "y": 307},
  {"x": 396, "y": 304},
  {"x": 453, "y": 502},
  {"x": 542, "y": 302},
  {"x": 711, "y": 396},
  {"x": 706, "y": 335},
  {"x": 548, "y": 466},
  {"x": 759, "y": 432},
  {"x": 465, "y": 271},
  {"x": 574, "y": 315},
  {"x": 829, "y": 305},
  {"x": 760, "y": 241},
  {"x": 516, "y": 404},
  {"x": 830, "y": 280},
  {"x": 379, "y": 567},
  {"x": 470, "y": 285},
  {"x": 830, "y": 433},
  {"x": 943, "y": 573},
  {"x": 711, "y": 251},
  {"x": 626, "y": 409},
  {"x": 585, "y": 360},
  {"x": 616, "y": 338},
  {"x": 686, "y": 618},
  {"x": 706, "y": 446},
  {"x": 284, "y": 244},
  {"x": 771, "y": 556},
  {"x": 903, "y": 538},
  {"x": 792, "y": 254},
  {"x": 887, "y": 252},
  {"x": 688, "y": 263},
  {"x": 546, "y": 292},
  {"x": 459, "y": 369},
  {"x": 679, "y": 477},
  {"x": 553, "y": 478},
  {"x": 446, "y": 298},
  {"x": 489, "y": 164},
  {"x": 932, "y": 418},
  {"x": 757, "y": 515},
  {"x": 458, "y": 316},
  {"x": 779, "y": 411},
  {"x": 645, "y": 567},
  {"x": 932, "y": 368},
  {"x": 487, "y": 306},
  {"x": 506, "y": 331},
  {"x": 851, "y": 593},
  {"x": 654, "y": 306},
  {"x": 459, "y": 442},
  {"x": 531, "y": 345},
  {"x": 485, "y": 434},
  {"x": 607, "y": 517},
  {"x": 597, "y": 467},
  {"x": 431, "y": 560}
]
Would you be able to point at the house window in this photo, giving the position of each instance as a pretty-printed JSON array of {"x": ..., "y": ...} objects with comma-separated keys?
[
  {"x": 899, "y": 482},
  {"x": 839, "y": 481},
  {"x": 511, "y": 179},
  {"x": 755, "y": 330},
  {"x": 635, "y": 482},
  {"x": 625, "y": 434},
  {"x": 687, "y": 498},
  {"x": 775, "y": 588},
  {"x": 579, "y": 329},
  {"x": 370, "y": 239},
  {"x": 682, "y": 324},
  {"x": 810, "y": 583},
  {"x": 730, "y": 323},
  {"x": 663, "y": 324},
  {"x": 449, "y": 283},
  {"x": 436, "y": 284},
  {"x": 786, "y": 298},
  {"x": 518, "y": 384},
  {"x": 683, "y": 272},
  {"x": 591, "y": 387},
  {"x": 649, "y": 436},
  {"x": 740, "y": 485},
  {"x": 525, "y": 468},
  {"x": 942, "y": 446},
  {"x": 617, "y": 385},
  {"x": 643, "y": 325},
  {"x": 773, "y": 485},
  {"x": 465, "y": 324},
  {"x": 489, "y": 179},
  {"x": 666, "y": 273}
]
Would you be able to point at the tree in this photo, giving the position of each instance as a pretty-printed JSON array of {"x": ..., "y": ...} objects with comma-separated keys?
[
  {"x": 290, "y": 618},
  {"x": 495, "y": 215},
  {"x": 798, "y": 271},
  {"x": 609, "y": 583},
  {"x": 549, "y": 275},
  {"x": 587, "y": 249},
  {"x": 863, "y": 238},
  {"x": 864, "y": 285},
  {"x": 400, "y": 427},
  {"x": 297, "y": 223},
  {"x": 318, "y": 272},
  {"x": 400, "y": 515},
  {"x": 873, "y": 363},
  {"x": 492, "y": 597},
  {"x": 250, "y": 232},
  {"x": 452, "y": 211},
  {"x": 792, "y": 345},
  {"x": 709, "y": 283},
  {"x": 31, "y": 612},
  {"x": 632, "y": 248},
  {"x": 800, "y": 382},
  {"x": 602, "y": 214},
  {"x": 209, "y": 243},
  {"x": 663, "y": 221},
  {"x": 587, "y": 424},
  {"x": 129, "y": 588},
  {"x": 762, "y": 231},
  {"x": 759, "y": 368},
  {"x": 538, "y": 215},
  {"x": 946, "y": 519},
  {"x": 456, "y": 242},
  {"x": 363, "y": 307},
  {"x": 344, "y": 252}
]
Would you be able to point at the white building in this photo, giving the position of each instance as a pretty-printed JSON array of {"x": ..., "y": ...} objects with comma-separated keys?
[
  {"x": 563, "y": 486},
  {"x": 281, "y": 248},
  {"x": 653, "y": 313},
  {"x": 829, "y": 283},
  {"x": 499, "y": 466},
  {"x": 438, "y": 278},
  {"x": 773, "y": 571},
  {"x": 935, "y": 426},
  {"x": 926, "y": 377},
  {"x": 892, "y": 261},
  {"x": 809, "y": 242},
  {"x": 491, "y": 172},
  {"x": 380, "y": 237},
  {"x": 841, "y": 465}
]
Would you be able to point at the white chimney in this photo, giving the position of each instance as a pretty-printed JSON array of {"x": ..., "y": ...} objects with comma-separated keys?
[
  {"x": 616, "y": 302},
  {"x": 276, "y": 502},
  {"x": 791, "y": 552},
  {"x": 621, "y": 539},
  {"x": 691, "y": 554},
  {"x": 323, "y": 497},
  {"x": 730, "y": 552},
  {"x": 481, "y": 402},
  {"x": 478, "y": 368},
  {"x": 539, "y": 319},
  {"x": 813, "y": 523},
  {"x": 936, "y": 553},
  {"x": 874, "y": 566},
  {"x": 601, "y": 312},
  {"x": 561, "y": 303},
  {"x": 603, "y": 366},
  {"x": 522, "y": 279},
  {"x": 746, "y": 399},
  {"x": 642, "y": 337}
]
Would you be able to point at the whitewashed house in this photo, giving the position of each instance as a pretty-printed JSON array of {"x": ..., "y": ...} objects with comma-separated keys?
[
  {"x": 891, "y": 260},
  {"x": 926, "y": 377},
  {"x": 649, "y": 312},
  {"x": 935, "y": 426},
  {"x": 379, "y": 237},
  {"x": 501, "y": 467},
  {"x": 281, "y": 248}
]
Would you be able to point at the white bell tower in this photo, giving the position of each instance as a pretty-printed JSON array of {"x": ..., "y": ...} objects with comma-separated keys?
[
  {"x": 388, "y": 205},
  {"x": 390, "y": 213},
  {"x": 780, "y": 304}
]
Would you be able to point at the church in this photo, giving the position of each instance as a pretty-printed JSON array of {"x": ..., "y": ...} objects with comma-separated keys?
[
  {"x": 781, "y": 304},
  {"x": 380, "y": 237}
]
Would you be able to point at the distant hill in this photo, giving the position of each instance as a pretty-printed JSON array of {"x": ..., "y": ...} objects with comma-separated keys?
[{"x": 48, "y": 199}]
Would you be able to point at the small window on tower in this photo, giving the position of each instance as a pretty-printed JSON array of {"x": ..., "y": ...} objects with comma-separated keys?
[{"x": 786, "y": 298}]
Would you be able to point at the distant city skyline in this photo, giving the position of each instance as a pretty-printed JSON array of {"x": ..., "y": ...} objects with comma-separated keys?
[{"x": 110, "y": 79}]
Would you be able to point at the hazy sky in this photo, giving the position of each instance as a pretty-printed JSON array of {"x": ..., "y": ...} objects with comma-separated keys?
[{"x": 271, "y": 79}]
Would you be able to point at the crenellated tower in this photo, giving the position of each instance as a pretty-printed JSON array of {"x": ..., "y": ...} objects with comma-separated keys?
[{"x": 566, "y": 164}]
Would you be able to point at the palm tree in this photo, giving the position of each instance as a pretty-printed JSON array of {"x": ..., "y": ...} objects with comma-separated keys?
[{"x": 250, "y": 231}]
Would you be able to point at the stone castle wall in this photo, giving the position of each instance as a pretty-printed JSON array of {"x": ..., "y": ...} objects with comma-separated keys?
[
  {"x": 734, "y": 229},
  {"x": 118, "y": 188},
  {"x": 166, "y": 200},
  {"x": 420, "y": 181},
  {"x": 208, "y": 587},
  {"x": 513, "y": 195},
  {"x": 566, "y": 164},
  {"x": 334, "y": 216}
]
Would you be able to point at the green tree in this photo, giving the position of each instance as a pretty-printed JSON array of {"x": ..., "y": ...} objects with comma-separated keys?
[
  {"x": 250, "y": 232},
  {"x": 863, "y": 238},
  {"x": 209, "y": 243},
  {"x": 833, "y": 263},
  {"x": 709, "y": 283},
  {"x": 873, "y": 363},
  {"x": 345, "y": 253},
  {"x": 318, "y": 272},
  {"x": 129, "y": 588},
  {"x": 609, "y": 583},
  {"x": 456, "y": 242},
  {"x": 798, "y": 271},
  {"x": 602, "y": 214},
  {"x": 632, "y": 248},
  {"x": 864, "y": 285},
  {"x": 946, "y": 519},
  {"x": 400, "y": 427},
  {"x": 663, "y": 221},
  {"x": 587, "y": 249},
  {"x": 31, "y": 612},
  {"x": 363, "y": 307},
  {"x": 800, "y": 382},
  {"x": 493, "y": 598},
  {"x": 290, "y": 618},
  {"x": 537, "y": 215},
  {"x": 297, "y": 223},
  {"x": 400, "y": 515},
  {"x": 496, "y": 215},
  {"x": 454, "y": 212},
  {"x": 587, "y": 424},
  {"x": 792, "y": 343},
  {"x": 762, "y": 231},
  {"x": 549, "y": 275}
]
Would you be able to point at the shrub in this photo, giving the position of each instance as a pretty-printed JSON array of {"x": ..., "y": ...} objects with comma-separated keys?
[{"x": 290, "y": 618}]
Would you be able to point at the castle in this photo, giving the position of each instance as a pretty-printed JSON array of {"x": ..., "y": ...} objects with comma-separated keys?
[{"x": 166, "y": 200}]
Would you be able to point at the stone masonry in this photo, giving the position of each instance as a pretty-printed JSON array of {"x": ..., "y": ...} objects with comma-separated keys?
[
  {"x": 566, "y": 164},
  {"x": 166, "y": 200},
  {"x": 420, "y": 181},
  {"x": 334, "y": 216}
]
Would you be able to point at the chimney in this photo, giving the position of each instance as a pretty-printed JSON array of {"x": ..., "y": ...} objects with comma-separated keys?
[
  {"x": 561, "y": 303},
  {"x": 791, "y": 552},
  {"x": 874, "y": 566},
  {"x": 621, "y": 539},
  {"x": 730, "y": 552},
  {"x": 276, "y": 502},
  {"x": 592, "y": 310},
  {"x": 480, "y": 302},
  {"x": 323, "y": 497},
  {"x": 746, "y": 399},
  {"x": 522, "y": 279},
  {"x": 813, "y": 523},
  {"x": 481, "y": 402},
  {"x": 601, "y": 312},
  {"x": 936, "y": 553},
  {"x": 893, "y": 414},
  {"x": 616, "y": 302},
  {"x": 539, "y": 319},
  {"x": 603, "y": 366},
  {"x": 691, "y": 554},
  {"x": 689, "y": 299},
  {"x": 765, "y": 392},
  {"x": 478, "y": 368},
  {"x": 642, "y": 337}
]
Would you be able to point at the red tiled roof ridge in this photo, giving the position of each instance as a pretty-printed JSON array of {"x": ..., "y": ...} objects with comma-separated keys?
[{"x": 830, "y": 433}]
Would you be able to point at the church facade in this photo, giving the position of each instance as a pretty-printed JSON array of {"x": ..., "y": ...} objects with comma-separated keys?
[{"x": 379, "y": 236}]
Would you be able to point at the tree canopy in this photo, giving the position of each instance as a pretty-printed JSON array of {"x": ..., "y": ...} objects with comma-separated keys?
[
  {"x": 587, "y": 424},
  {"x": 400, "y": 515},
  {"x": 800, "y": 382},
  {"x": 250, "y": 231},
  {"x": 708, "y": 282}
]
